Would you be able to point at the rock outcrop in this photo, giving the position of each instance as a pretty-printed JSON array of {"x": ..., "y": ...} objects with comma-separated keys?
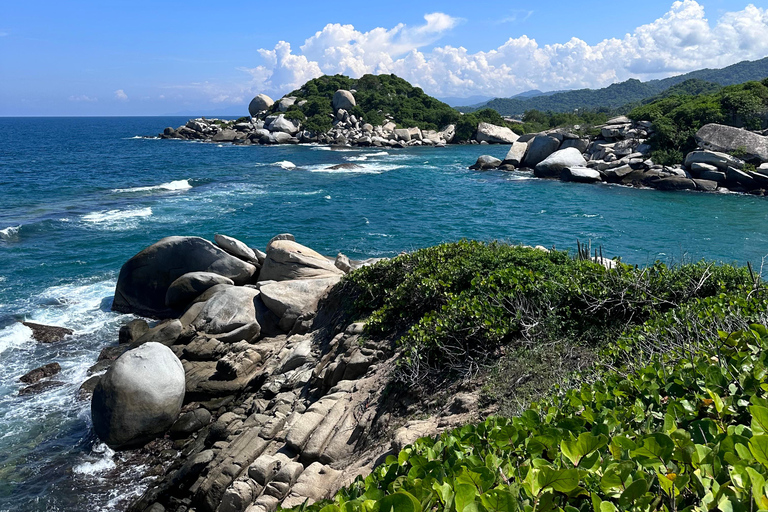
[
  {"x": 144, "y": 279},
  {"x": 729, "y": 139},
  {"x": 139, "y": 397}
]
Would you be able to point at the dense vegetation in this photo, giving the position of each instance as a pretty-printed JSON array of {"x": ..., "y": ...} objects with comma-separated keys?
[
  {"x": 536, "y": 121},
  {"x": 672, "y": 416},
  {"x": 677, "y": 118},
  {"x": 376, "y": 96},
  {"x": 618, "y": 95}
]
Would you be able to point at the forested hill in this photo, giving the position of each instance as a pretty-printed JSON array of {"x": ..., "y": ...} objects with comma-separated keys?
[{"x": 618, "y": 95}]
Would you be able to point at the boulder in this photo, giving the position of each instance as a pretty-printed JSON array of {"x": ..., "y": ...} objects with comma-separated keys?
[
  {"x": 43, "y": 372},
  {"x": 495, "y": 134},
  {"x": 132, "y": 331},
  {"x": 259, "y": 104},
  {"x": 236, "y": 248},
  {"x": 281, "y": 124},
  {"x": 539, "y": 148},
  {"x": 225, "y": 136},
  {"x": 720, "y": 160},
  {"x": 729, "y": 139},
  {"x": 286, "y": 102},
  {"x": 48, "y": 333},
  {"x": 288, "y": 260},
  {"x": 674, "y": 183},
  {"x": 516, "y": 154},
  {"x": 485, "y": 162},
  {"x": 279, "y": 138},
  {"x": 291, "y": 299},
  {"x": 403, "y": 134},
  {"x": 228, "y": 308},
  {"x": 144, "y": 279},
  {"x": 186, "y": 288},
  {"x": 580, "y": 144},
  {"x": 139, "y": 397},
  {"x": 343, "y": 99},
  {"x": 619, "y": 120},
  {"x": 580, "y": 175},
  {"x": 553, "y": 165}
]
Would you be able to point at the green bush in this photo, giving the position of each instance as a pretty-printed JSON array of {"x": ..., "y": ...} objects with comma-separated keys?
[{"x": 453, "y": 306}]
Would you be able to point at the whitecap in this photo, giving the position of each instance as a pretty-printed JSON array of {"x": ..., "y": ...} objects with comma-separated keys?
[
  {"x": 100, "y": 461},
  {"x": 359, "y": 169},
  {"x": 117, "y": 220},
  {"x": 285, "y": 164},
  {"x": 327, "y": 197},
  {"x": 171, "y": 186},
  {"x": 10, "y": 233},
  {"x": 14, "y": 336}
]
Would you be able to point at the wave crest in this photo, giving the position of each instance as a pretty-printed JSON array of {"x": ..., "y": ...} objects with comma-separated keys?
[{"x": 171, "y": 186}]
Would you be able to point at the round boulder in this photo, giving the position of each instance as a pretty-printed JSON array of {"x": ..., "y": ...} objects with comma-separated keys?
[
  {"x": 553, "y": 165},
  {"x": 139, "y": 397},
  {"x": 189, "y": 286},
  {"x": 259, "y": 104},
  {"x": 343, "y": 99},
  {"x": 145, "y": 278}
]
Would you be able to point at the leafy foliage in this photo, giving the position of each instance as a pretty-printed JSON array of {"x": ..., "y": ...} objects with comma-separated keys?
[
  {"x": 676, "y": 119},
  {"x": 454, "y": 305},
  {"x": 376, "y": 96},
  {"x": 681, "y": 433}
]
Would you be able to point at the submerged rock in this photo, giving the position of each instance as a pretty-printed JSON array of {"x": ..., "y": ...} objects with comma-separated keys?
[
  {"x": 38, "y": 374},
  {"x": 139, "y": 397},
  {"x": 485, "y": 162}
]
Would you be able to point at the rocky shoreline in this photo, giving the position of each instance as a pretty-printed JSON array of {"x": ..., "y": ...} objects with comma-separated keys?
[
  {"x": 621, "y": 155},
  {"x": 282, "y": 400}
]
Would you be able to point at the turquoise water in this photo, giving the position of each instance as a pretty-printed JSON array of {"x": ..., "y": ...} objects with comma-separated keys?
[{"x": 79, "y": 196}]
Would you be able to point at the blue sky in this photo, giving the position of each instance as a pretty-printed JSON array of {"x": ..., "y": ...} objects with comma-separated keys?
[{"x": 155, "y": 58}]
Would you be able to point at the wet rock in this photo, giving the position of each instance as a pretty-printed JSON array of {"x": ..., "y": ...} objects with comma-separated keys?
[
  {"x": 40, "y": 373},
  {"x": 190, "y": 422},
  {"x": 39, "y": 387},
  {"x": 87, "y": 387},
  {"x": 485, "y": 162},
  {"x": 48, "y": 333},
  {"x": 132, "y": 331},
  {"x": 139, "y": 397}
]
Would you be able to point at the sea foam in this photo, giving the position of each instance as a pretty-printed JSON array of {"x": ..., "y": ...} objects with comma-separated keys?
[
  {"x": 171, "y": 186},
  {"x": 117, "y": 220},
  {"x": 10, "y": 233}
]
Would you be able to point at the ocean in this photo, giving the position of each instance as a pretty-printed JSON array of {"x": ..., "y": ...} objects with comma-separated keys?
[{"x": 79, "y": 196}]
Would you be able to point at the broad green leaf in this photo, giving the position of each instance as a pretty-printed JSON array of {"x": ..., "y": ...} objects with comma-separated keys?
[
  {"x": 607, "y": 506},
  {"x": 499, "y": 500},
  {"x": 758, "y": 488},
  {"x": 759, "y": 419},
  {"x": 330, "y": 508},
  {"x": 586, "y": 443},
  {"x": 633, "y": 491},
  {"x": 465, "y": 494},
  {"x": 561, "y": 480},
  {"x": 481, "y": 477},
  {"x": 656, "y": 446},
  {"x": 758, "y": 445},
  {"x": 400, "y": 501}
]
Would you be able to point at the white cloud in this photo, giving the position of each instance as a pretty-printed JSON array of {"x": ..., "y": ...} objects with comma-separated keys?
[
  {"x": 681, "y": 40},
  {"x": 83, "y": 98},
  {"x": 120, "y": 95}
]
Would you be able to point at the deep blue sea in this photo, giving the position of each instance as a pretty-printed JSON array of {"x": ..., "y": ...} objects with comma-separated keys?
[{"x": 79, "y": 196}]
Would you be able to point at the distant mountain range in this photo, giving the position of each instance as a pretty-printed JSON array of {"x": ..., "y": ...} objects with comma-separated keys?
[{"x": 621, "y": 94}]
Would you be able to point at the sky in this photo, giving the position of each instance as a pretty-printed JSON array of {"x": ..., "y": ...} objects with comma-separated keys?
[{"x": 204, "y": 58}]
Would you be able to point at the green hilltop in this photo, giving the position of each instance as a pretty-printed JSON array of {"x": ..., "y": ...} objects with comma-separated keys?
[{"x": 618, "y": 95}]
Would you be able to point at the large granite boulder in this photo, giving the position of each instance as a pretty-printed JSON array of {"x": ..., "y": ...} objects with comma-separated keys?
[
  {"x": 287, "y": 260},
  {"x": 580, "y": 175},
  {"x": 516, "y": 154},
  {"x": 729, "y": 139},
  {"x": 291, "y": 299},
  {"x": 145, "y": 278},
  {"x": 720, "y": 160},
  {"x": 189, "y": 286},
  {"x": 228, "y": 308},
  {"x": 281, "y": 124},
  {"x": 236, "y": 248},
  {"x": 259, "y": 104},
  {"x": 485, "y": 162},
  {"x": 343, "y": 99},
  {"x": 553, "y": 165},
  {"x": 495, "y": 134},
  {"x": 539, "y": 148},
  {"x": 139, "y": 397}
]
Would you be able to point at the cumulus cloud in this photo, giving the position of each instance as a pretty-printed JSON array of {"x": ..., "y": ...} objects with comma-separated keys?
[
  {"x": 120, "y": 95},
  {"x": 681, "y": 40}
]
